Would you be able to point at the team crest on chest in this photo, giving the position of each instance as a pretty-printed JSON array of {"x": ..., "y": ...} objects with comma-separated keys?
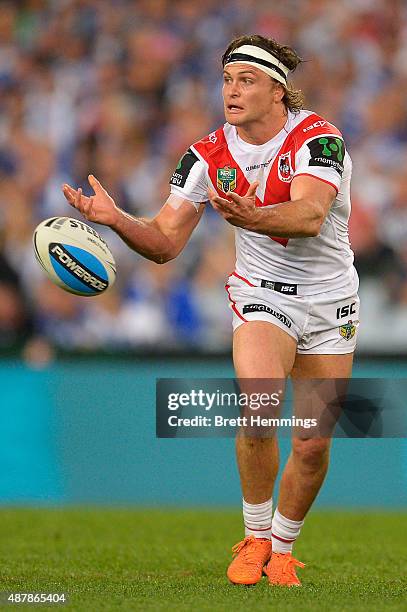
[
  {"x": 226, "y": 179},
  {"x": 285, "y": 169}
]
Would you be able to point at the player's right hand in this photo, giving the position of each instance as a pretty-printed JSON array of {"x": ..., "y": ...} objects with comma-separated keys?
[{"x": 99, "y": 208}]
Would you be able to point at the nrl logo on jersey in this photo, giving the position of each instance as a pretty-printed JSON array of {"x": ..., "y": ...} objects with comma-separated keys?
[
  {"x": 285, "y": 169},
  {"x": 348, "y": 330},
  {"x": 226, "y": 179}
]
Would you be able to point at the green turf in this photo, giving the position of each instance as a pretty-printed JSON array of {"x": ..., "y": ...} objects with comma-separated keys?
[{"x": 176, "y": 560}]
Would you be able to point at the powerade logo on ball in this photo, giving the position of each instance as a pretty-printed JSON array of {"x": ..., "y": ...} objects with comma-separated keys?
[
  {"x": 75, "y": 273},
  {"x": 327, "y": 151}
]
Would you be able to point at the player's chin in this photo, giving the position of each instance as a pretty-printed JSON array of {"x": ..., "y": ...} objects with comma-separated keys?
[{"x": 235, "y": 118}]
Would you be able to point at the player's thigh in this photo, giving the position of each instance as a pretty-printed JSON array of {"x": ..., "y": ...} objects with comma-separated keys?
[
  {"x": 263, "y": 350},
  {"x": 319, "y": 382},
  {"x": 322, "y": 366}
]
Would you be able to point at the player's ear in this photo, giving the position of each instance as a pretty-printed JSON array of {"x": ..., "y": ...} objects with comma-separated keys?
[{"x": 278, "y": 91}]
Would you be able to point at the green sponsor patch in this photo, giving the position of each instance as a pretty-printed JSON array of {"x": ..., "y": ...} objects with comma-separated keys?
[{"x": 328, "y": 152}]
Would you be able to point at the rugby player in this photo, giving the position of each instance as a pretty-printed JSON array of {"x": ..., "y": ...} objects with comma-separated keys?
[{"x": 281, "y": 175}]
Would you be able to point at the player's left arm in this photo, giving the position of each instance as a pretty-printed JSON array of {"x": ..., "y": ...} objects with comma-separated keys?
[{"x": 301, "y": 217}]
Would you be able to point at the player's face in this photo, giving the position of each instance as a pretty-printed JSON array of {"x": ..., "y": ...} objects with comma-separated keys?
[{"x": 249, "y": 95}]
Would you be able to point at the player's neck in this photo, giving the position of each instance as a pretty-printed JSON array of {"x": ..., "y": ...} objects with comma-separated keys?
[{"x": 259, "y": 132}]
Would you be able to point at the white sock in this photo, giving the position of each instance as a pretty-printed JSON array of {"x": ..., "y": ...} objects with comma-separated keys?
[
  {"x": 257, "y": 519},
  {"x": 284, "y": 533}
]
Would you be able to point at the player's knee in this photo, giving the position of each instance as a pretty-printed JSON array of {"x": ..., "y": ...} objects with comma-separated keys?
[
  {"x": 311, "y": 453},
  {"x": 251, "y": 441}
]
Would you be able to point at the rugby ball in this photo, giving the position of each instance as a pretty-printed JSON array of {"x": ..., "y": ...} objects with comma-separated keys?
[{"x": 74, "y": 256}]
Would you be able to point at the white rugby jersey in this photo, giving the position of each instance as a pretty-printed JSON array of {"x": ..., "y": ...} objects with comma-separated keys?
[{"x": 308, "y": 145}]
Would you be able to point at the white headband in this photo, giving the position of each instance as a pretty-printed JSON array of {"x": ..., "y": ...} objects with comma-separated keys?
[{"x": 261, "y": 59}]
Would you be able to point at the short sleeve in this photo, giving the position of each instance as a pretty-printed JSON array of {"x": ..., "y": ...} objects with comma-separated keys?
[
  {"x": 189, "y": 178},
  {"x": 322, "y": 157}
]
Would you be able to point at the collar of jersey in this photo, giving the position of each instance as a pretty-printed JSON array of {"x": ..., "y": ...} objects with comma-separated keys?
[{"x": 248, "y": 147}]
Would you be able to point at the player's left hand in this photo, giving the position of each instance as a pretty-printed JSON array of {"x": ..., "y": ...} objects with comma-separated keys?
[{"x": 240, "y": 211}]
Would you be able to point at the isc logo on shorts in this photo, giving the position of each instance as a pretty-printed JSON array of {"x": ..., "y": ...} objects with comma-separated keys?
[{"x": 280, "y": 287}]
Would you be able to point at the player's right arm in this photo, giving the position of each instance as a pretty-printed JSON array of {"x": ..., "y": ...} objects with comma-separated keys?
[{"x": 159, "y": 239}]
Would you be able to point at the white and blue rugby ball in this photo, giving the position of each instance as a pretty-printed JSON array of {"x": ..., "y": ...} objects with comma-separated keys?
[{"x": 74, "y": 256}]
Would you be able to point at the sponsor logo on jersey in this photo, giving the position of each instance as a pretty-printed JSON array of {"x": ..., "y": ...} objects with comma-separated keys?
[
  {"x": 212, "y": 137},
  {"x": 226, "y": 179},
  {"x": 348, "y": 330},
  {"x": 285, "y": 170},
  {"x": 263, "y": 308},
  {"x": 327, "y": 152},
  {"x": 181, "y": 172},
  {"x": 257, "y": 166},
  {"x": 317, "y": 124}
]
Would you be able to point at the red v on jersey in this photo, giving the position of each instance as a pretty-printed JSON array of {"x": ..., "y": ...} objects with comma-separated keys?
[
  {"x": 308, "y": 145},
  {"x": 278, "y": 186},
  {"x": 219, "y": 157},
  {"x": 215, "y": 151}
]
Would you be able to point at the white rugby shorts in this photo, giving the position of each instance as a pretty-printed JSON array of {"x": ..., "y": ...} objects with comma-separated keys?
[{"x": 324, "y": 324}]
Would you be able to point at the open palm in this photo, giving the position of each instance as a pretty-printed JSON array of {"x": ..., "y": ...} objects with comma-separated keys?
[{"x": 99, "y": 208}]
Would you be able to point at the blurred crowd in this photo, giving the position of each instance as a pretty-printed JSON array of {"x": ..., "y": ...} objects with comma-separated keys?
[{"x": 121, "y": 88}]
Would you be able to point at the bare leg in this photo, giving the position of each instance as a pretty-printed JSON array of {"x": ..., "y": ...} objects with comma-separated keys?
[
  {"x": 260, "y": 350},
  {"x": 258, "y": 460},
  {"x": 308, "y": 462},
  {"x": 303, "y": 476}
]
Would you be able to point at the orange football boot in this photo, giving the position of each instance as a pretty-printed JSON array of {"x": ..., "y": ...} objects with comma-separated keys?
[
  {"x": 281, "y": 569},
  {"x": 250, "y": 556}
]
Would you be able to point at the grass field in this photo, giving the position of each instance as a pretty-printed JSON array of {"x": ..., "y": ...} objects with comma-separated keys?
[{"x": 176, "y": 560}]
